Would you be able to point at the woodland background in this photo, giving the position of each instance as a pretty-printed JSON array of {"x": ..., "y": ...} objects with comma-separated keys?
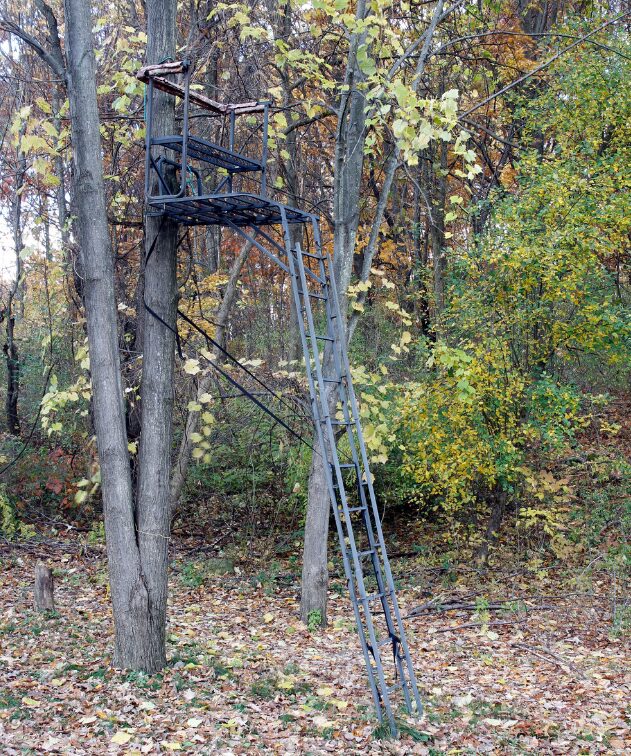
[{"x": 488, "y": 307}]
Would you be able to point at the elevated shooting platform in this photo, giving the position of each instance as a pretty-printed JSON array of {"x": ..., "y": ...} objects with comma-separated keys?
[
  {"x": 192, "y": 179},
  {"x": 202, "y": 181}
]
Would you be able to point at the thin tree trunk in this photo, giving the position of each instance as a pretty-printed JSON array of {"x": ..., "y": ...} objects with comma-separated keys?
[
  {"x": 16, "y": 297},
  {"x": 437, "y": 234},
  {"x": 349, "y": 160},
  {"x": 13, "y": 377},
  {"x": 498, "y": 507}
]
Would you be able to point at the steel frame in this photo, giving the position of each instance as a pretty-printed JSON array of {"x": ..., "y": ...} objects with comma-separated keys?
[{"x": 333, "y": 401}]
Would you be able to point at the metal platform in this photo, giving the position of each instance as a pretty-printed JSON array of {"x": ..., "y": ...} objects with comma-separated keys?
[{"x": 226, "y": 210}]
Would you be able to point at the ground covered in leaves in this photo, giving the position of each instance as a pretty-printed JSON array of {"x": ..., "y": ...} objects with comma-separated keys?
[{"x": 508, "y": 662}]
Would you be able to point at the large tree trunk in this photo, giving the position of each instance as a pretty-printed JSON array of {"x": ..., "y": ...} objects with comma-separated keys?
[
  {"x": 153, "y": 499},
  {"x": 129, "y": 593}
]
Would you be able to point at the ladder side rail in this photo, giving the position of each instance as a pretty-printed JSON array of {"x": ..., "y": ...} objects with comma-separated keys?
[
  {"x": 321, "y": 443},
  {"x": 359, "y": 578},
  {"x": 386, "y": 562},
  {"x": 264, "y": 151},
  {"x": 366, "y": 518}
]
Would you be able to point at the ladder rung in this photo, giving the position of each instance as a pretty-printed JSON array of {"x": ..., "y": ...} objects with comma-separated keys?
[
  {"x": 365, "y": 553},
  {"x": 319, "y": 336},
  {"x": 315, "y": 296},
  {"x": 332, "y": 380},
  {"x": 342, "y": 422},
  {"x": 312, "y": 256},
  {"x": 348, "y": 466},
  {"x": 375, "y": 596},
  {"x": 397, "y": 686},
  {"x": 356, "y": 509}
]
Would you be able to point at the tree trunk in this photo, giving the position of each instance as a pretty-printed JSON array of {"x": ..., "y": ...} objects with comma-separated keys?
[
  {"x": 43, "y": 589},
  {"x": 16, "y": 297},
  {"x": 153, "y": 499},
  {"x": 13, "y": 377},
  {"x": 437, "y": 231},
  {"x": 315, "y": 573},
  {"x": 498, "y": 507},
  {"x": 349, "y": 161},
  {"x": 129, "y": 593}
]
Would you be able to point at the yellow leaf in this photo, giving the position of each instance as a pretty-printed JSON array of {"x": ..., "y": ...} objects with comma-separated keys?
[
  {"x": 121, "y": 737},
  {"x": 325, "y": 692},
  {"x": 267, "y": 618},
  {"x": 191, "y": 367},
  {"x": 31, "y": 702},
  {"x": 285, "y": 683}
]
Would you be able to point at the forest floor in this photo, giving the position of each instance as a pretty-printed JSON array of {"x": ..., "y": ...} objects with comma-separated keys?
[{"x": 543, "y": 673}]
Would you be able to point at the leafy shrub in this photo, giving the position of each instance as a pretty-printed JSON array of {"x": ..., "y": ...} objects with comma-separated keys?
[
  {"x": 11, "y": 527},
  {"x": 467, "y": 428}
]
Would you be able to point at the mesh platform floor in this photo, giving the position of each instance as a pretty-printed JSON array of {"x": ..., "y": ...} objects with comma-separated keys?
[{"x": 224, "y": 209}]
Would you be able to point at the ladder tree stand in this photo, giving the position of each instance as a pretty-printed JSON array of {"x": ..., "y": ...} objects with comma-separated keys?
[{"x": 250, "y": 214}]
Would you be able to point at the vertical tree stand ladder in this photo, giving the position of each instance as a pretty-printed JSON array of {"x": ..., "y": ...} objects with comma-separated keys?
[{"x": 333, "y": 402}]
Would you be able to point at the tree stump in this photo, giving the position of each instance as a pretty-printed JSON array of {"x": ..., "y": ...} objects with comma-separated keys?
[{"x": 44, "y": 586}]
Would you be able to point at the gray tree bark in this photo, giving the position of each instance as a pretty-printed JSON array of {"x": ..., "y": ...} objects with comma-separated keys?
[
  {"x": 153, "y": 499},
  {"x": 129, "y": 593},
  {"x": 137, "y": 538},
  {"x": 43, "y": 590},
  {"x": 16, "y": 297}
]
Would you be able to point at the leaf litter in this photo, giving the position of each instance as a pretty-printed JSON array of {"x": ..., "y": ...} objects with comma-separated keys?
[{"x": 245, "y": 676}]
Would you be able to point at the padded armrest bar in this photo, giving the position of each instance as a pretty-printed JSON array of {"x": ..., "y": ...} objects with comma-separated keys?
[{"x": 156, "y": 73}]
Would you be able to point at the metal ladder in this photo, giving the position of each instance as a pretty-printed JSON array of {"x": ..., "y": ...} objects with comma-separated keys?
[{"x": 336, "y": 417}]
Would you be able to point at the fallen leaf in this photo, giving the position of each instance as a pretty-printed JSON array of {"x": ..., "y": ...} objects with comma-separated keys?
[
  {"x": 325, "y": 692},
  {"x": 121, "y": 737}
]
